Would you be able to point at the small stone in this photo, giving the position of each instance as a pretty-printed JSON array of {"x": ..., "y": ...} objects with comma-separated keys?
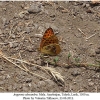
[
  {"x": 89, "y": 80},
  {"x": 97, "y": 75},
  {"x": 38, "y": 35},
  {"x": 90, "y": 83},
  {"x": 41, "y": 84},
  {"x": 5, "y": 21},
  {"x": 27, "y": 30},
  {"x": 1, "y": 68},
  {"x": 22, "y": 14},
  {"x": 8, "y": 76},
  {"x": 13, "y": 44},
  {"x": 19, "y": 29},
  {"x": 97, "y": 51},
  {"x": 36, "y": 26},
  {"x": 87, "y": 5},
  {"x": 28, "y": 80},
  {"x": 76, "y": 72},
  {"x": 92, "y": 53},
  {"x": 41, "y": 29},
  {"x": 12, "y": 36},
  {"x": 89, "y": 10},
  {"x": 30, "y": 48},
  {"x": 38, "y": 62},
  {"x": 34, "y": 8},
  {"x": 16, "y": 15},
  {"x": 29, "y": 84}
]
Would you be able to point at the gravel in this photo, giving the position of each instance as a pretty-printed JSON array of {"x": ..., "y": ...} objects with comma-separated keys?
[{"x": 35, "y": 8}]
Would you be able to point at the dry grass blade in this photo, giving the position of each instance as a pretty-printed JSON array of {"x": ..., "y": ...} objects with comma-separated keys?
[
  {"x": 90, "y": 36},
  {"x": 5, "y": 57},
  {"x": 56, "y": 75},
  {"x": 22, "y": 62}
]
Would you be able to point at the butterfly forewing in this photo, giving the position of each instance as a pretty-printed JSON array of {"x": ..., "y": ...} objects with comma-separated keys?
[{"x": 48, "y": 33}]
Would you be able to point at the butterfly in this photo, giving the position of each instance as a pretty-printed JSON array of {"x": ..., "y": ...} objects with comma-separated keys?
[{"x": 50, "y": 44}]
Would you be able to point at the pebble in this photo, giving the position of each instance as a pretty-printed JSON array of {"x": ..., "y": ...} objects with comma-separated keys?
[
  {"x": 29, "y": 84},
  {"x": 28, "y": 80},
  {"x": 16, "y": 15},
  {"x": 34, "y": 8},
  {"x": 19, "y": 29},
  {"x": 1, "y": 68},
  {"x": 90, "y": 83},
  {"x": 41, "y": 29},
  {"x": 87, "y": 5},
  {"x": 30, "y": 48},
  {"x": 38, "y": 35},
  {"x": 35, "y": 26},
  {"x": 97, "y": 75},
  {"x": 92, "y": 53},
  {"x": 27, "y": 30},
  {"x": 13, "y": 44},
  {"x": 12, "y": 36},
  {"x": 76, "y": 72},
  {"x": 22, "y": 14},
  {"x": 38, "y": 62},
  {"x": 5, "y": 21},
  {"x": 97, "y": 51},
  {"x": 41, "y": 84}
]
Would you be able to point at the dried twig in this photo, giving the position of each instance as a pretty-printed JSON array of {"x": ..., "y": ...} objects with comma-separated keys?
[
  {"x": 57, "y": 76},
  {"x": 90, "y": 36},
  {"x": 22, "y": 62},
  {"x": 81, "y": 31},
  {"x": 5, "y": 57}
]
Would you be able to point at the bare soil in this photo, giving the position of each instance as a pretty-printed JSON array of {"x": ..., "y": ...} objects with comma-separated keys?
[{"x": 76, "y": 24}]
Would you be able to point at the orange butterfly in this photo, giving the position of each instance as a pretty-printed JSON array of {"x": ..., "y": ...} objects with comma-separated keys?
[{"x": 49, "y": 44}]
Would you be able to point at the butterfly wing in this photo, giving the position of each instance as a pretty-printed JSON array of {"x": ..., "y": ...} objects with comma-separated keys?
[
  {"x": 50, "y": 44},
  {"x": 48, "y": 33},
  {"x": 51, "y": 40},
  {"x": 52, "y": 49}
]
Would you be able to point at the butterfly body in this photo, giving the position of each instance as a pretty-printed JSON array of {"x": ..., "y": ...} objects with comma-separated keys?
[{"x": 50, "y": 44}]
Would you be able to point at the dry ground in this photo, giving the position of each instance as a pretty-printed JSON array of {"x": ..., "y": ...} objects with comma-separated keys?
[{"x": 77, "y": 25}]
